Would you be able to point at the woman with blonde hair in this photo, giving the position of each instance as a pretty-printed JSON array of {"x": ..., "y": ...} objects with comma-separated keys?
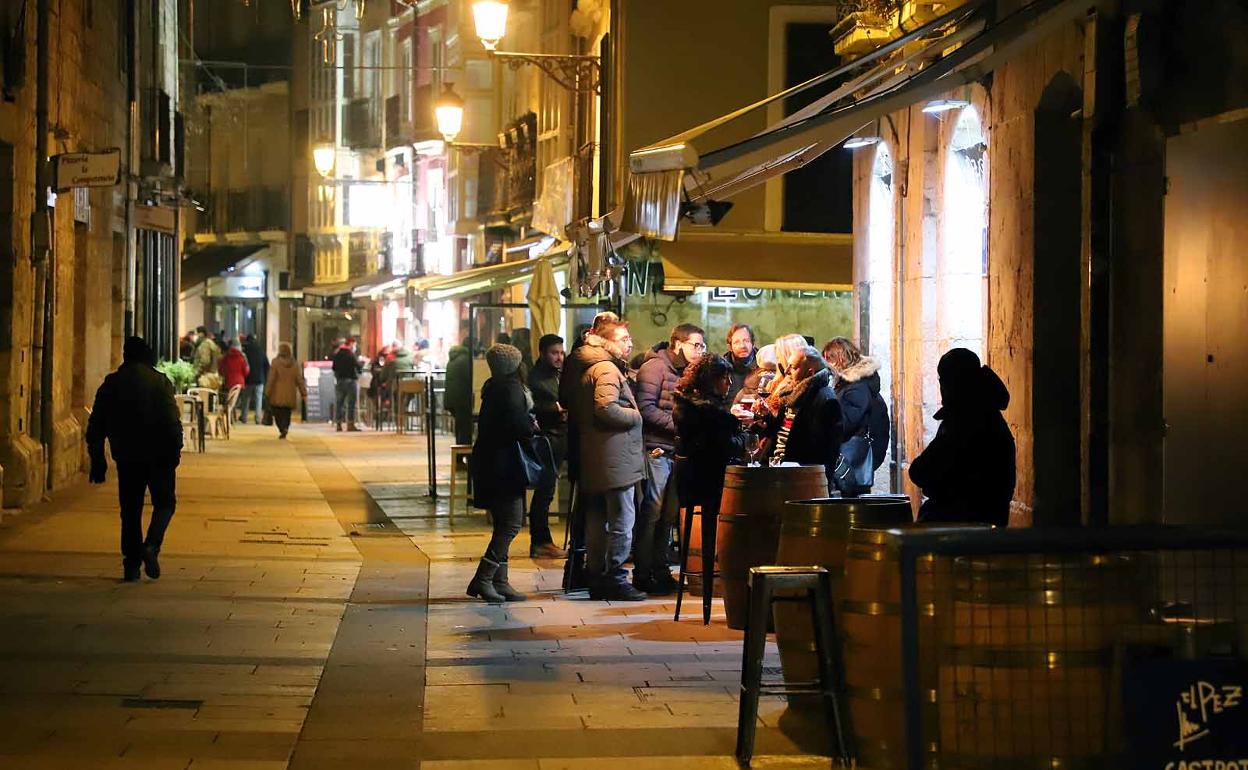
[{"x": 284, "y": 388}]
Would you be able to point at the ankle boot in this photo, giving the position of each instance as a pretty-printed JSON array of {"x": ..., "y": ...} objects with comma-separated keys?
[
  {"x": 482, "y": 585},
  {"x": 504, "y": 588}
]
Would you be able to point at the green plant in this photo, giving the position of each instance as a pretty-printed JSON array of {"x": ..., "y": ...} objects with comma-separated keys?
[{"x": 180, "y": 373}]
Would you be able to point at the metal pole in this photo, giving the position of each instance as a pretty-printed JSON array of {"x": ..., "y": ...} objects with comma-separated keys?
[{"x": 430, "y": 441}]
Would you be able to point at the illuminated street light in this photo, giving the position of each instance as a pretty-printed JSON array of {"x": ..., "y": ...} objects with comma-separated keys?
[
  {"x": 449, "y": 111},
  {"x": 491, "y": 21},
  {"x": 944, "y": 105},
  {"x": 323, "y": 159}
]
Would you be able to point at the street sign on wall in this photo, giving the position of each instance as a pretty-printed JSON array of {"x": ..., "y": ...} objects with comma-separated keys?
[{"x": 87, "y": 169}]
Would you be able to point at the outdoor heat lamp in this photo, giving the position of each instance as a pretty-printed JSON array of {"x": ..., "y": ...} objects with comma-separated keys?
[
  {"x": 449, "y": 111},
  {"x": 490, "y": 17}
]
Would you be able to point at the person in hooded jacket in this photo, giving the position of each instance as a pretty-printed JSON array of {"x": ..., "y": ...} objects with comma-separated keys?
[
  {"x": 506, "y": 417},
  {"x": 864, "y": 415},
  {"x": 967, "y": 472},
  {"x": 233, "y": 368},
  {"x": 708, "y": 437},
  {"x": 135, "y": 411},
  {"x": 458, "y": 397},
  {"x": 285, "y": 387},
  {"x": 805, "y": 426}
]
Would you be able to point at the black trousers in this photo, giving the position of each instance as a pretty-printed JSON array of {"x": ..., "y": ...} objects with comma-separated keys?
[
  {"x": 281, "y": 418},
  {"x": 134, "y": 481},
  {"x": 508, "y": 515},
  {"x": 539, "y": 508}
]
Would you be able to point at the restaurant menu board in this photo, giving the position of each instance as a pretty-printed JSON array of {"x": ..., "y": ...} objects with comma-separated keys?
[
  {"x": 319, "y": 377},
  {"x": 1186, "y": 714}
]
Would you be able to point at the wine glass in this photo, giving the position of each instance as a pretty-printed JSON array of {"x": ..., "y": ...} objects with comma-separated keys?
[{"x": 753, "y": 447}]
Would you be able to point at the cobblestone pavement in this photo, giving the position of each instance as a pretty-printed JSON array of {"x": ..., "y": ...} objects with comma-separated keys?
[{"x": 312, "y": 614}]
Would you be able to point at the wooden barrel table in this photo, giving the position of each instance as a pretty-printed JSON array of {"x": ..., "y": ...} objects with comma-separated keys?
[
  {"x": 748, "y": 530},
  {"x": 1025, "y": 658}
]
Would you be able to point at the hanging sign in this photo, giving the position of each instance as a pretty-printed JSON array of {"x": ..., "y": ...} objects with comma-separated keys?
[
  {"x": 1186, "y": 714},
  {"x": 87, "y": 169}
]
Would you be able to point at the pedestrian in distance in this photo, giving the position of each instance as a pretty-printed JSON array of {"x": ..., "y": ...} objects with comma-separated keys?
[
  {"x": 611, "y": 458},
  {"x": 207, "y": 353},
  {"x": 186, "y": 346},
  {"x": 708, "y": 437},
  {"x": 506, "y": 419},
  {"x": 458, "y": 397},
  {"x": 286, "y": 386},
  {"x": 257, "y": 374},
  {"x": 135, "y": 412},
  {"x": 347, "y": 368},
  {"x": 552, "y": 420},
  {"x": 967, "y": 472},
  {"x": 233, "y": 368},
  {"x": 742, "y": 357},
  {"x": 864, "y": 416},
  {"x": 656, "y": 384},
  {"x": 805, "y": 425}
]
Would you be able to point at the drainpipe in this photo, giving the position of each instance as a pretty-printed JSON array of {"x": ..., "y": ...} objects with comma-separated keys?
[{"x": 41, "y": 241}]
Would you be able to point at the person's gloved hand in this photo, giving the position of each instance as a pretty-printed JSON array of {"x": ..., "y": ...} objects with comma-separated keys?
[{"x": 99, "y": 470}]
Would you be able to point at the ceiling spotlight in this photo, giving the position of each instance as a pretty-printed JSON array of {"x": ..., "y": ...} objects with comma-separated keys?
[
  {"x": 708, "y": 212},
  {"x": 944, "y": 105},
  {"x": 856, "y": 142}
]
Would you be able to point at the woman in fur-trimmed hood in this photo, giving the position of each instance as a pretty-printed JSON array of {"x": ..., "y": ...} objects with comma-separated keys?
[{"x": 857, "y": 385}]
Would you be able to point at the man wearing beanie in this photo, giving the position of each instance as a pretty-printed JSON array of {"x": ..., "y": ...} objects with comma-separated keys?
[
  {"x": 611, "y": 458},
  {"x": 506, "y": 417},
  {"x": 134, "y": 409}
]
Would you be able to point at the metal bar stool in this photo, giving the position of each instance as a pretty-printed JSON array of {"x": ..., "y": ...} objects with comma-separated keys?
[
  {"x": 814, "y": 586},
  {"x": 708, "y": 573},
  {"x": 459, "y": 478}
]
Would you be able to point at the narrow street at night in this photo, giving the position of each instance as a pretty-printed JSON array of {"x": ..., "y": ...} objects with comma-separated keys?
[{"x": 312, "y": 611}]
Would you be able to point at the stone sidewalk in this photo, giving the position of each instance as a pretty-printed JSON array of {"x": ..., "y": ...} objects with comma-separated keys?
[{"x": 312, "y": 614}]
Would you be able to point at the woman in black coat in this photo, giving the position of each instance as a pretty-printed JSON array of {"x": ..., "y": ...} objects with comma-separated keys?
[
  {"x": 805, "y": 421},
  {"x": 856, "y": 382},
  {"x": 506, "y": 417},
  {"x": 708, "y": 437},
  {"x": 967, "y": 472}
]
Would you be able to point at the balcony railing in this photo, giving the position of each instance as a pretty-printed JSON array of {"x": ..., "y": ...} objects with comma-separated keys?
[{"x": 251, "y": 209}]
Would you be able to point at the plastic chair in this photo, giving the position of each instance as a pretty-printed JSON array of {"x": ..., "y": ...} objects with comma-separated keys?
[
  {"x": 231, "y": 401},
  {"x": 409, "y": 402},
  {"x": 188, "y": 412}
]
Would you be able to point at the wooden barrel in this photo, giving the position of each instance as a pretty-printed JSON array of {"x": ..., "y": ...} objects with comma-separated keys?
[
  {"x": 870, "y": 624},
  {"x": 1025, "y": 659},
  {"x": 816, "y": 532},
  {"x": 749, "y": 523}
]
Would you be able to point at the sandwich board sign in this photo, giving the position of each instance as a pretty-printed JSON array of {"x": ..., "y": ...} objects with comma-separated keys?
[
  {"x": 1186, "y": 714},
  {"x": 87, "y": 169}
]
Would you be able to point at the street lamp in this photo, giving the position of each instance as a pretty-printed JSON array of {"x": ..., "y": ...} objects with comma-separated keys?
[
  {"x": 491, "y": 20},
  {"x": 449, "y": 111},
  {"x": 323, "y": 159}
]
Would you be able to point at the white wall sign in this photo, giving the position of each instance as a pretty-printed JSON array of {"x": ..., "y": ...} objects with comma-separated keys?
[{"x": 87, "y": 169}]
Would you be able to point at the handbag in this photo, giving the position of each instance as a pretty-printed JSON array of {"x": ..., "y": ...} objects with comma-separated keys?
[
  {"x": 855, "y": 468},
  {"x": 534, "y": 462}
]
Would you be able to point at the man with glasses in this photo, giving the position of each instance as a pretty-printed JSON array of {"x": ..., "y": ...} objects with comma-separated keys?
[{"x": 656, "y": 380}]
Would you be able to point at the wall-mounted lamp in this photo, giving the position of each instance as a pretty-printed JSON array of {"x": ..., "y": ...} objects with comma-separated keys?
[
  {"x": 937, "y": 106},
  {"x": 490, "y": 17},
  {"x": 449, "y": 112},
  {"x": 323, "y": 159}
]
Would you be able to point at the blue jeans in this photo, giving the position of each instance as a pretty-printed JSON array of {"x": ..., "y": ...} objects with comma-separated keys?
[
  {"x": 250, "y": 394},
  {"x": 344, "y": 401},
  {"x": 654, "y": 522},
  {"x": 609, "y": 520}
]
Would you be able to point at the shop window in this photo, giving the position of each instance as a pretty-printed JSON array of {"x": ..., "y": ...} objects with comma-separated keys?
[{"x": 963, "y": 267}]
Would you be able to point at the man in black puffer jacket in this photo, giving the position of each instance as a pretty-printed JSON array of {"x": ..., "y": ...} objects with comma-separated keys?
[{"x": 135, "y": 411}]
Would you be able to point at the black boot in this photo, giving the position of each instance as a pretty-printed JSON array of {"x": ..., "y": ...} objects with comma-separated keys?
[
  {"x": 150, "y": 564},
  {"x": 482, "y": 585},
  {"x": 504, "y": 588}
]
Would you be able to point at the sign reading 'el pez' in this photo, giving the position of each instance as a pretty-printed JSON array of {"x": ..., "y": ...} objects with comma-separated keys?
[{"x": 1187, "y": 714}]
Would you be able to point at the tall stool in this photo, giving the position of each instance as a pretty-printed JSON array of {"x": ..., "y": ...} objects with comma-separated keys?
[
  {"x": 708, "y": 572},
  {"x": 459, "y": 477},
  {"x": 814, "y": 586}
]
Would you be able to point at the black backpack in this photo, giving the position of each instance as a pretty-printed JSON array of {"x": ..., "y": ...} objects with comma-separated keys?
[{"x": 880, "y": 426}]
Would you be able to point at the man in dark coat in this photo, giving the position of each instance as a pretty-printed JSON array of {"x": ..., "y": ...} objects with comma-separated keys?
[
  {"x": 257, "y": 375},
  {"x": 347, "y": 370},
  {"x": 552, "y": 418},
  {"x": 656, "y": 382},
  {"x": 135, "y": 411},
  {"x": 806, "y": 427},
  {"x": 458, "y": 398},
  {"x": 967, "y": 472}
]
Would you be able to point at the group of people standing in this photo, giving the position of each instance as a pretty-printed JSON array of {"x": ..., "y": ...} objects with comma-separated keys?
[
  {"x": 683, "y": 415},
  {"x": 242, "y": 363}
]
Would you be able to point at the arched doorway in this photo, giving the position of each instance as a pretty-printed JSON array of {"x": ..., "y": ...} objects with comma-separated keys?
[
  {"x": 963, "y": 266},
  {"x": 1056, "y": 305},
  {"x": 877, "y": 334}
]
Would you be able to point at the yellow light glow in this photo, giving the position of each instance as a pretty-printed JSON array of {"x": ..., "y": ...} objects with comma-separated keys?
[
  {"x": 449, "y": 112},
  {"x": 323, "y": 159},
  {"x": 491, "y": 21}
]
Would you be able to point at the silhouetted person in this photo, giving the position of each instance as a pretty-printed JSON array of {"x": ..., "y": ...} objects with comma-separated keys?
[
  {"x": 552, "y": 419},
  {"x": 708, "y": 437},
  {"x": 134, "y": 409},
  {"x": 458, "y": 397},
  {"x": 257, "y": 375},
  {"x": 967, "y": 472}
]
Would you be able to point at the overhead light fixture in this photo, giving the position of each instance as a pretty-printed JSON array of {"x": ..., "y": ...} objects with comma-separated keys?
[
  {"x": 323, "y": 159},
  {"x": 708, "y": 212},
  {"x": 938, "y": 106},
  {"x": 449, "y": 112},
  {"x": 490, "y": 17},
  {"x": 856, "y": 142}
]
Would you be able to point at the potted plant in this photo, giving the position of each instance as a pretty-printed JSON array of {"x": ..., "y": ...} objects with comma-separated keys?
[{"x": 180, "y": 373}]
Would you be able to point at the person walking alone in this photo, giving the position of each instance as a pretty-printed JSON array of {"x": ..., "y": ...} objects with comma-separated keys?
[
  {"x": 286, "y": 387},
  {"x": 347, "y": 368},
  {"x": 506, "y": 418},
  {"x": 257, "y": 374},
  {"x": 552, "y": 419},
  {"x": 611, "y": 458},
  {"x": 135, "y": 412}
]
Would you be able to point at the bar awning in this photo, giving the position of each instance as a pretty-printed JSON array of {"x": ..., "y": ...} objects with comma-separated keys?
[
  {"x": 479, "y": 280},
  {"x": 212, "y": 261},
  {"x": 348, "y": 286},
  {"x": 757, "y": 260},
  {"x": 377, "y": 288},
  {"x": 954, "y": 50}
]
